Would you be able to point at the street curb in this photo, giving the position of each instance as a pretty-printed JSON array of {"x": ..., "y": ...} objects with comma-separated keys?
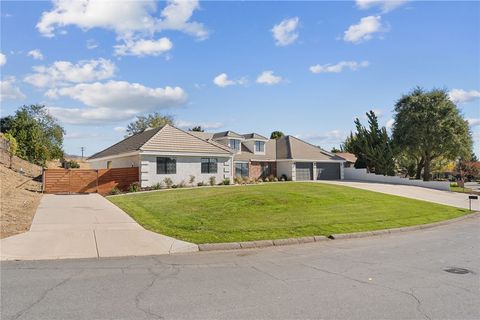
[{"x": 353, "y": 235}]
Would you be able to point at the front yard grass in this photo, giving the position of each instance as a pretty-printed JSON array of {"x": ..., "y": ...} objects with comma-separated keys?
[{"x": 275, "y": 211}]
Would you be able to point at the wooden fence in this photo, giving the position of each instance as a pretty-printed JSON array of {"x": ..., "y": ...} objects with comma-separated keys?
[{"x": 88, "y": 180}]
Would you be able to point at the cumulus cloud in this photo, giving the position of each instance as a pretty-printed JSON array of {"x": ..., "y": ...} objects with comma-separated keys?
[
  {"x": 384, "y": 5},
  {"x": 285, "y": 33},
  {"x": 462, "y": 96},
  {"x": 125, "y": 18},
  {"x": 35, "y": 54},
  {"x": 389, "y": 124},
  {"x": 120, "y": 129},
  {"x": 338, "y": 67},
  {"x": 3, "y": 59},
  {"x": 223, "y": 81},
  {"x": 473, "y": 122},
  {"x": 64, "y": 72},
  {"x": 9, "y": 91},
  {"x": 92, "y": 44},
  {"x": 114, "y": 101},
  {"x": 364, "y": 30},
  {"x": 268, "y": 78},
  {"x": 205, "y": 125},
  {"x": 143, "y": 47}
]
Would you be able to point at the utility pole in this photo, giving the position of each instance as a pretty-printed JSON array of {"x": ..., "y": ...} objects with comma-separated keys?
[{"x": 83, "y": 149}]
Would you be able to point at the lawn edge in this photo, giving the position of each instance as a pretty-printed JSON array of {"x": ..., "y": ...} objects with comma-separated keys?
[{"x": 354, "y": 235}]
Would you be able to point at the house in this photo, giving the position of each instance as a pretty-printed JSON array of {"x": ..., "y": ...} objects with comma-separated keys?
[
  {"x": 169, "y": 152},
  {"x": 349, "y": 158}
]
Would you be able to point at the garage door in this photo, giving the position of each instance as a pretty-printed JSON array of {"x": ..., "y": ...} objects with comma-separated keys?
[
  {"x": 304, "y": 170},
  {"x": 328, "y": 171}
]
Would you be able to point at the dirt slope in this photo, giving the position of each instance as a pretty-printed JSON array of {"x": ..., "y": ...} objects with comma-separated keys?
[{"x": 19, "y": 196}]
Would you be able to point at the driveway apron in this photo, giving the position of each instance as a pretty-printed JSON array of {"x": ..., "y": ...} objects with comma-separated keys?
[{"x": 86, "y": 226}]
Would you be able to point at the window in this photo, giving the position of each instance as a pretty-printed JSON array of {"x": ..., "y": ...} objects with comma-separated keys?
[
  {"x": 265, "y": 169},
  {"x": 241, "y": 170},
  {"x": 259, "y": 146},
  {"x": 234, "y": 144},
  {"x": 166, "y": 165},
  {"x": 109, "y": 164},
  {"x": 209, "y": 165}
]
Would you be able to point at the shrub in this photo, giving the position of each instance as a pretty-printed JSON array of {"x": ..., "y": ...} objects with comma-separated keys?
[
  {"x": 157, "y": 186},
  {"x": 275, "y": 179},
  {"x": 237, "y": 180},
  {"x": 271, "y": 178},
  {"x": 192, "y": 179},
  {"x": 201, "y": 184},
  {"x": 283, "y": 178},
  {"x": 115, "y": 190},
  {"x": 182, "y": 184},
  {"x": 134, "y": 187},
  {"x": 212, "y": 180},
  {"x": 71, "y": 164},
  {"x": 174, "y": 186},
  {"x": 454, "y": 184},
  {"x": 226, "y": 182},
  {"x": 168, "y": 182}
]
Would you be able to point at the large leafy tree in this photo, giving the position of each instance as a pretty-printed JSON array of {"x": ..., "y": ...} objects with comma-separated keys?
[
  {"x": 38, "y": 134},
  {"x": 152, "y": 120},
  {"x": 372, "y": 146},
  {"x": 429, "y": 126},
  {"x": 197, "y": 129}
]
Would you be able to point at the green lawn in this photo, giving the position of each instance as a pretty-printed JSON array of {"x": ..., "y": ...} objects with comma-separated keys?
[{"x": 274, "y": 211}]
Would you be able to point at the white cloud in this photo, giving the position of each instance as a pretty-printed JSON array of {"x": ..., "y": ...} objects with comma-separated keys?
[
  {"x": 384, "y": 5},
  {"x": 125, "y": 18},
  {"x": 64, "y": 72},
  {"x": 267, "y": 77},
  {"x": 120, "y": 129},
  {"x": 114, "y": 101},
  {"x": 329, "y": 137},
  {"x": 205, "y": 125},
  {"x": 472, "y": 122},
  {"x": 462, "y": 96},
  {"x": 80, "y": 135},
  {"x": 338, "y": 67},
  {"x": 92, "y": 44},
  {"x": 143, "y": 47},
  {"x": 285, "y": 33},
  {"x": 3, "y": 59},
  {"x": 364, "y": 30},
  {"x": 35, "y": 54},
  {"x": 390, "y": 123},
  {"x": 223, "y": 81},
  {"x": 9, "y": 91}
]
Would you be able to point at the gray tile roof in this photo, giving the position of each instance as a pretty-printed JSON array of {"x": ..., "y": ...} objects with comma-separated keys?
[
  {"x": 165, "y": 139},
  {"x": 229, "y": 134},
  {"x": 289, "y": 147},
  {"x": 129, "y": 144},
  {"x": 254, "y": 135}
]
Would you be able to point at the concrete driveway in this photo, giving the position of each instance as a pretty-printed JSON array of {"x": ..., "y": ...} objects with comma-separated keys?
[
  {"x": 454, "y": 199},
  {"x": 86, "y": 226}
]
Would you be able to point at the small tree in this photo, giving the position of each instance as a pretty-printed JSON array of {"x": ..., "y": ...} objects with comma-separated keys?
[
  {"x": 12, "y": 146},
  {"x": 335, "y": 150},
  {"x": 197, "y": 128},
  {"x": 153, "y": 120},
  {"x": 276, "y": 135}
]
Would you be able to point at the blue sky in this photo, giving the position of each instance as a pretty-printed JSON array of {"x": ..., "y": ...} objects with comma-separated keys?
[{"x": 305, "y": 68}]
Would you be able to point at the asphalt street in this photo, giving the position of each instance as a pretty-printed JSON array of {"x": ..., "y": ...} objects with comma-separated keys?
[{"x": 398, "y": 276}]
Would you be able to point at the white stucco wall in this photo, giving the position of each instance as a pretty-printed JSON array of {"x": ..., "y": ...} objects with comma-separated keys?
[
  {"x": 186, "y": 166},
  {"x": 286, "y": 168},
  {"x": 120, "y": 162},
  {"x": 362, "y": 175}
]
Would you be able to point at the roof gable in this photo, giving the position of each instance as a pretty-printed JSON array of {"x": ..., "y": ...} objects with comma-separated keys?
[{"x": 172, "y": 139}]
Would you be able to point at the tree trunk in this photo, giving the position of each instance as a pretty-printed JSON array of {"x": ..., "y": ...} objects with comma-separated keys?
[
  {"x": 420, "y": 165},
  {"x": 426, "y": 169}
]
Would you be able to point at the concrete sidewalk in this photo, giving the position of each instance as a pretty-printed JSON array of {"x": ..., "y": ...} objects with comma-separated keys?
[
  {"x": 85, "y": 226},
  {"x": 454, "y": 199}
]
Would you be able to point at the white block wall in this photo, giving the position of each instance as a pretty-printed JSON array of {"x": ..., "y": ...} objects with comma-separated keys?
[
  {"x": 186, "y": 166},
  {"x": 362, "y": 175},
  {"x": 121, "y": 162}
]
